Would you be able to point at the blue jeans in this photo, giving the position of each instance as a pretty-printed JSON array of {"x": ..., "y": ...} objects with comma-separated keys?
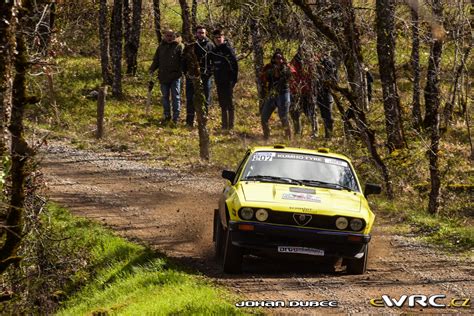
[
  {"x": 175, "y": 88},
  {"x": 280, "y": 101},
  {"x": 190, "y": 111}
]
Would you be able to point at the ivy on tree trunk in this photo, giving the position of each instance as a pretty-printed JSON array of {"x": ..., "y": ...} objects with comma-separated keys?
[
  {"x": 432, "y": 103},
  {"x": 7, "y": 46}
]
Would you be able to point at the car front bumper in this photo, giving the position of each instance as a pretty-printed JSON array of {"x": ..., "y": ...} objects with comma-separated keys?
[{"x": 268, "y": 237}]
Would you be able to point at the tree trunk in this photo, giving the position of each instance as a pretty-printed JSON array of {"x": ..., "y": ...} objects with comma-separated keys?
[
  {"x": 157, "y": 19},
  {"x": 194, "y": 8},
  {"x": 432, "y": 102},
  {"x": 194, "y": 73},
  {"x": 20, "y": 153},
  {"x": 132, "y": 35},
  {"x": 132, "y": 25},
  {"x": 116, "y": 48},
  {"x": 100, "y": 110},
  {"x": 127, "y": 31},
  {"x": 415, "y": 62},
  {"x": 104, "y": 43},
  {"x": 385, "y": 24},
  {"x": 257, "y": 48},
  {"x": 7, "y": 46},
  {"x": 135, "y": 37}
]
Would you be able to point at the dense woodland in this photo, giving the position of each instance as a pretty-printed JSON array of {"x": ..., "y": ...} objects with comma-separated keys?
[{"x": 64, "y": 61}]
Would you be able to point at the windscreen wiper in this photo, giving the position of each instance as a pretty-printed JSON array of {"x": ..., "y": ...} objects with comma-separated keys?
[
  {"x": 317, "y": 183},
  {"x": 272, "y": 179}
]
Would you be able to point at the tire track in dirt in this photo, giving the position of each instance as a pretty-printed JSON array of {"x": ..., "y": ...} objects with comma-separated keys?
[{"x": 172, "y": 212}]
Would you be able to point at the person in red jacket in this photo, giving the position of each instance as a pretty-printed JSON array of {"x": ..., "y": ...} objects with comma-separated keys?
[{"x": 302, "y": 88}]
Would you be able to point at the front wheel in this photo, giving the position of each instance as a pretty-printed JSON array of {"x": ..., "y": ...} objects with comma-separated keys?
[
  {"x": 358, "y": 266},
  {"x": 219, "y": 242},
  {"x": 232, "y": 256}
]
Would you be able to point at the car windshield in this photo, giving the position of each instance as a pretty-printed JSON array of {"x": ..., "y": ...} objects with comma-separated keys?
[{"x": 300, "y": 169}]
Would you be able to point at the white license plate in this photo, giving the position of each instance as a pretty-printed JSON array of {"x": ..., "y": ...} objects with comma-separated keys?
[{"x": 302, "y": 250}]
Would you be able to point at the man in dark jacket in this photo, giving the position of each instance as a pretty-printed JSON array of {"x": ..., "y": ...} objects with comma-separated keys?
[
  {"x": 168, "y": 61},
  {"x": 202, "y": 48},
  {"x": 225, "y": 74},
  {"x": 326, "y": 72}
]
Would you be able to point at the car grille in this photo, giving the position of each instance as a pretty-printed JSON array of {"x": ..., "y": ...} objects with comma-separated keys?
[{"x": 294, "y": 219}]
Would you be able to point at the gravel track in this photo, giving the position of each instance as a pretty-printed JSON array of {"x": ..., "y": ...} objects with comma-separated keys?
[{"x": 172, "y": 212}]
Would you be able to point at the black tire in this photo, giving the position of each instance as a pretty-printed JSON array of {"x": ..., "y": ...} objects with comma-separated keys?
[
  {"x": 358, "y": 266},
  {"x": 219, "y": 242},
  {"x": 232, "y": 256}
]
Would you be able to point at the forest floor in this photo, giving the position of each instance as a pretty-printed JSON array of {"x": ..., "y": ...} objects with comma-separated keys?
[{"x": 172, "y": 212}]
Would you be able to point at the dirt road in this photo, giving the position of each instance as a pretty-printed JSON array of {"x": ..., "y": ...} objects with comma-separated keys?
[{"x": 172, "y": 212}]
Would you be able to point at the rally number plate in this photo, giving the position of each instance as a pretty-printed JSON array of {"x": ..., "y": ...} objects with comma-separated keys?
[{"x": 302, "y": 250}]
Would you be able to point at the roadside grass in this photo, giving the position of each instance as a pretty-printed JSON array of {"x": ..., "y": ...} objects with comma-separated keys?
[
  {"x": 453, "y": 232},
  {"x": 124, "y": 278}
]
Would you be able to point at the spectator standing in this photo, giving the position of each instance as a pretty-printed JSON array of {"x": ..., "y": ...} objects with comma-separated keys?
[
  {"x": 276, "y": 79},
  {"x": 302, "y": 91},
  {"x": 326, "y": 72},
  {"x": 225, "y": 75},
  {"x": 168, "y": 60},
  {"x": 202, "y": 48}
]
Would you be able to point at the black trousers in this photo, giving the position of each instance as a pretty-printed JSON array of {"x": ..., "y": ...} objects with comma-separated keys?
[
  {"x": 325, "y": 103},
  {"x": 225, "y": 91}
]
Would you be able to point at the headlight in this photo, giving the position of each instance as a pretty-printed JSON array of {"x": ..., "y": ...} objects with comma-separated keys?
[
  {"x": 356, "y": 224},
  {"x": 261, "y": 215},
  {"x": 342, "y": 223},
  {"x": 246, "y": 213}
]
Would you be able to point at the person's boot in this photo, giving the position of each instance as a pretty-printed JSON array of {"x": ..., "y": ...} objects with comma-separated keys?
[
  {"x": 225, "y": 124},
  {"x": 286, "y": 126},
  {"x": 266, "y": 131},
  {"x": 297, "y": 125},
  {"x": 327, "y": 132},
  {"x": 231, "y": 119},
  {"x": 314, "y": 128}
]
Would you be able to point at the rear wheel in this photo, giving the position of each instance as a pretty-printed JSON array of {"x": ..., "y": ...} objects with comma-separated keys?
[
  {"x": 358, "y": 266},
  {"x": 232, "y": 256},
  {"x": 219, "y": 242}
]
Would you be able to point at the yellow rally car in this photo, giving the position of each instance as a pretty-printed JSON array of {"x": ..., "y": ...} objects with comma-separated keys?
[{"x": 297, "y": 202}]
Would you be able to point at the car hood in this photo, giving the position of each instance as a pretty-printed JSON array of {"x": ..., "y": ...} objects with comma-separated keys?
[{"x": 301, "y": 197}]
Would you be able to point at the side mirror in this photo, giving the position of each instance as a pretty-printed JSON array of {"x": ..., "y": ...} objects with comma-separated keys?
[
  {"x": 229, "y": 175},
  {"x": 371, "y": 188}
]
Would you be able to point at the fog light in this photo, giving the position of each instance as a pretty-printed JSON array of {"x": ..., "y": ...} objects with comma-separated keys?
[
  {"x": 261, "y": 215},
  {"x": 342, "y": 223},
  {"x": 246, "y": 213},
  {"x": 356, "y": 224}
]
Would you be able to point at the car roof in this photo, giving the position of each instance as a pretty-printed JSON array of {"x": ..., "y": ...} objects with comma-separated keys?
[{"x": 319, "y": 151}]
